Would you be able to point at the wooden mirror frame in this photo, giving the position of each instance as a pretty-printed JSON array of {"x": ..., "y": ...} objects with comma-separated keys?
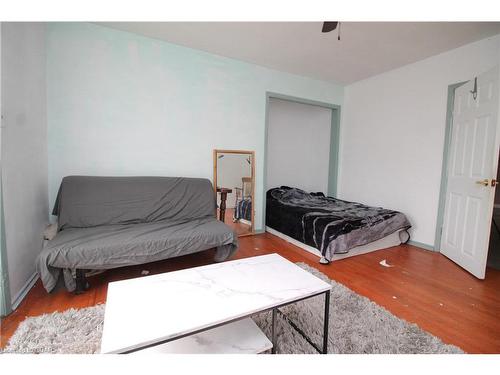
[{"x": 252, "y": 156}]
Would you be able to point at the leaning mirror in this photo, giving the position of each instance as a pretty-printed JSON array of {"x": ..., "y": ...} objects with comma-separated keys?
[{"x": 234, "y": 183}]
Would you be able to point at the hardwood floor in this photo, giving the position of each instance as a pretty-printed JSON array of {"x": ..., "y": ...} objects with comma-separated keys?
[{"x": 422, "y": 287}]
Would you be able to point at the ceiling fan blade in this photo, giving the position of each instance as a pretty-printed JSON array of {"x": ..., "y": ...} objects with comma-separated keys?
[{"x": 329, "y": 26}]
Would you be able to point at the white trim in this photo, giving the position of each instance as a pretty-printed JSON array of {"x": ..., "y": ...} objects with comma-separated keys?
[
  {"x": 24, "y": 291},
  {"x": 384, "y": 243},
  {"x": 293, "y": 241}
]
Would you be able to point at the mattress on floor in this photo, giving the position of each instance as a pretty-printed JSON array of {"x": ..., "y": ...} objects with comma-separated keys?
[
  {"x": 391, "y": 240},
  {"x": 330, "y": 225}
]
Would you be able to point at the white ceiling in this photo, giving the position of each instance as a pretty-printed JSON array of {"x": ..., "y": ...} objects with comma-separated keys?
[{"x": 365, "y": 48}]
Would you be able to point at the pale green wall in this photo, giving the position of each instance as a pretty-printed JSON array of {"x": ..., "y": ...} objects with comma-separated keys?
[{"x": 122, "y": 104}]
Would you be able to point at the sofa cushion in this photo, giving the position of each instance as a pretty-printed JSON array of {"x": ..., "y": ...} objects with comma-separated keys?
[
  {"x": 112, "y": 246},
  {"x": 89, "y": 201}
]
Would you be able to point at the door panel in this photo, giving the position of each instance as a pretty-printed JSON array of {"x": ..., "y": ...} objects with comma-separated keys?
[
  {"x": 473, "y": 158},
  {"x": 472, "y": 215},
  {"x": 481, "y": 134},
  {"x": 454, "y": 214}
]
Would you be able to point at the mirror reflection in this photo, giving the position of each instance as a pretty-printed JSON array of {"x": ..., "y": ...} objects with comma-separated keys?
[{"x": 234, "y": 182}]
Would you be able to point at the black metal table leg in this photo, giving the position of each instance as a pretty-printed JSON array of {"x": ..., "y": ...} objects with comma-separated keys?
[
  {"x": 273, "y": 332},
  {"x": 325, "y": 322},
  {"x": 81, "y": 282}
]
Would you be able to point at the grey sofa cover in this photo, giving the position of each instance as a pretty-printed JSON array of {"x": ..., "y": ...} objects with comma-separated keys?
[{"x": 110, "y": 222}]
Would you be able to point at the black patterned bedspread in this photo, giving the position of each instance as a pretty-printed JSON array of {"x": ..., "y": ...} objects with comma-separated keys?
[{"x": 331, "y": 225}]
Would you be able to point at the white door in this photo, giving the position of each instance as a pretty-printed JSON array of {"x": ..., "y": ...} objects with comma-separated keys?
[{"x": 472, "y": 166}]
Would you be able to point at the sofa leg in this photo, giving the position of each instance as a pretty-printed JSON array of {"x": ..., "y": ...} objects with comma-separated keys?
[{"x": 81, "y": 282}]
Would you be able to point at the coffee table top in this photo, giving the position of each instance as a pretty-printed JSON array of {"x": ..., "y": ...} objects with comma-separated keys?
[{"x": 152, "y": 309}]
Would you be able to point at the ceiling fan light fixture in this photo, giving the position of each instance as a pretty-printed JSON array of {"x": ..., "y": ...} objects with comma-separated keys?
[{"x": 329, "y": 26}]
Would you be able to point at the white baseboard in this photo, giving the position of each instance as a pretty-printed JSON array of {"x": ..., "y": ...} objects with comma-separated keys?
[{"x": 24, "y": 291}]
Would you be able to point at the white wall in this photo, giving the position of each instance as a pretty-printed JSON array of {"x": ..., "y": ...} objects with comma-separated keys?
[
  {"x": 24, "y": 148},
  {"x": 231, "y": 168},
  {"x": 392, "y": 133},
  {"x": 298, "y": 145},
  {"x": 123, "y": 104}
]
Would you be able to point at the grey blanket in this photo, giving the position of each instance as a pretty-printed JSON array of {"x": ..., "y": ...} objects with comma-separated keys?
[
  {"x": 89, "y": 201},
  {"x": 331, "y": 225},
  {"x": 110, "y": 222}
]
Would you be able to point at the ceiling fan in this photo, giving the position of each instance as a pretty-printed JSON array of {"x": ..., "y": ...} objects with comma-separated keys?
[{"x": 330, "y": 26}]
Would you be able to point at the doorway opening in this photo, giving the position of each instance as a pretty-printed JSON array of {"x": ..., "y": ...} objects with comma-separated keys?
[{"x": 301, "y": 145}]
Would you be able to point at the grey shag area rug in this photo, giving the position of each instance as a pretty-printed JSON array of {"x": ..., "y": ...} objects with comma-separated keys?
[{"x": 357, "y": 325}]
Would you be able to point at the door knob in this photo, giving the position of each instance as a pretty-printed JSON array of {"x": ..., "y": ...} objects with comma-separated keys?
[
  {"x": 484, "y": 182},
  {"x": 494, "y": 183}
]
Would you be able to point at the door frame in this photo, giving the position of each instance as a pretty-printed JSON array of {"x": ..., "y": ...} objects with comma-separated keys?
[
  {"x": 444, "y": 166},
  {"x": 5, "y": 299},
  {"x": 444, "y": 169},
  {"x": 333, "y": 163}
]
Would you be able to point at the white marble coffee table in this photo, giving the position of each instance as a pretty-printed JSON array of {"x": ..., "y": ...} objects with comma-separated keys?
[{"x": 207, "y": 305}]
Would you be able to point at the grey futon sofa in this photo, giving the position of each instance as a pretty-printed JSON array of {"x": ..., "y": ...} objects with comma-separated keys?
[{"x": 110, "y": 222}]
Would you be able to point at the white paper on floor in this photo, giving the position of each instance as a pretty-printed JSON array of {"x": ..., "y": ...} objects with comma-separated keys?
[{"x": 385, "y": 264}]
